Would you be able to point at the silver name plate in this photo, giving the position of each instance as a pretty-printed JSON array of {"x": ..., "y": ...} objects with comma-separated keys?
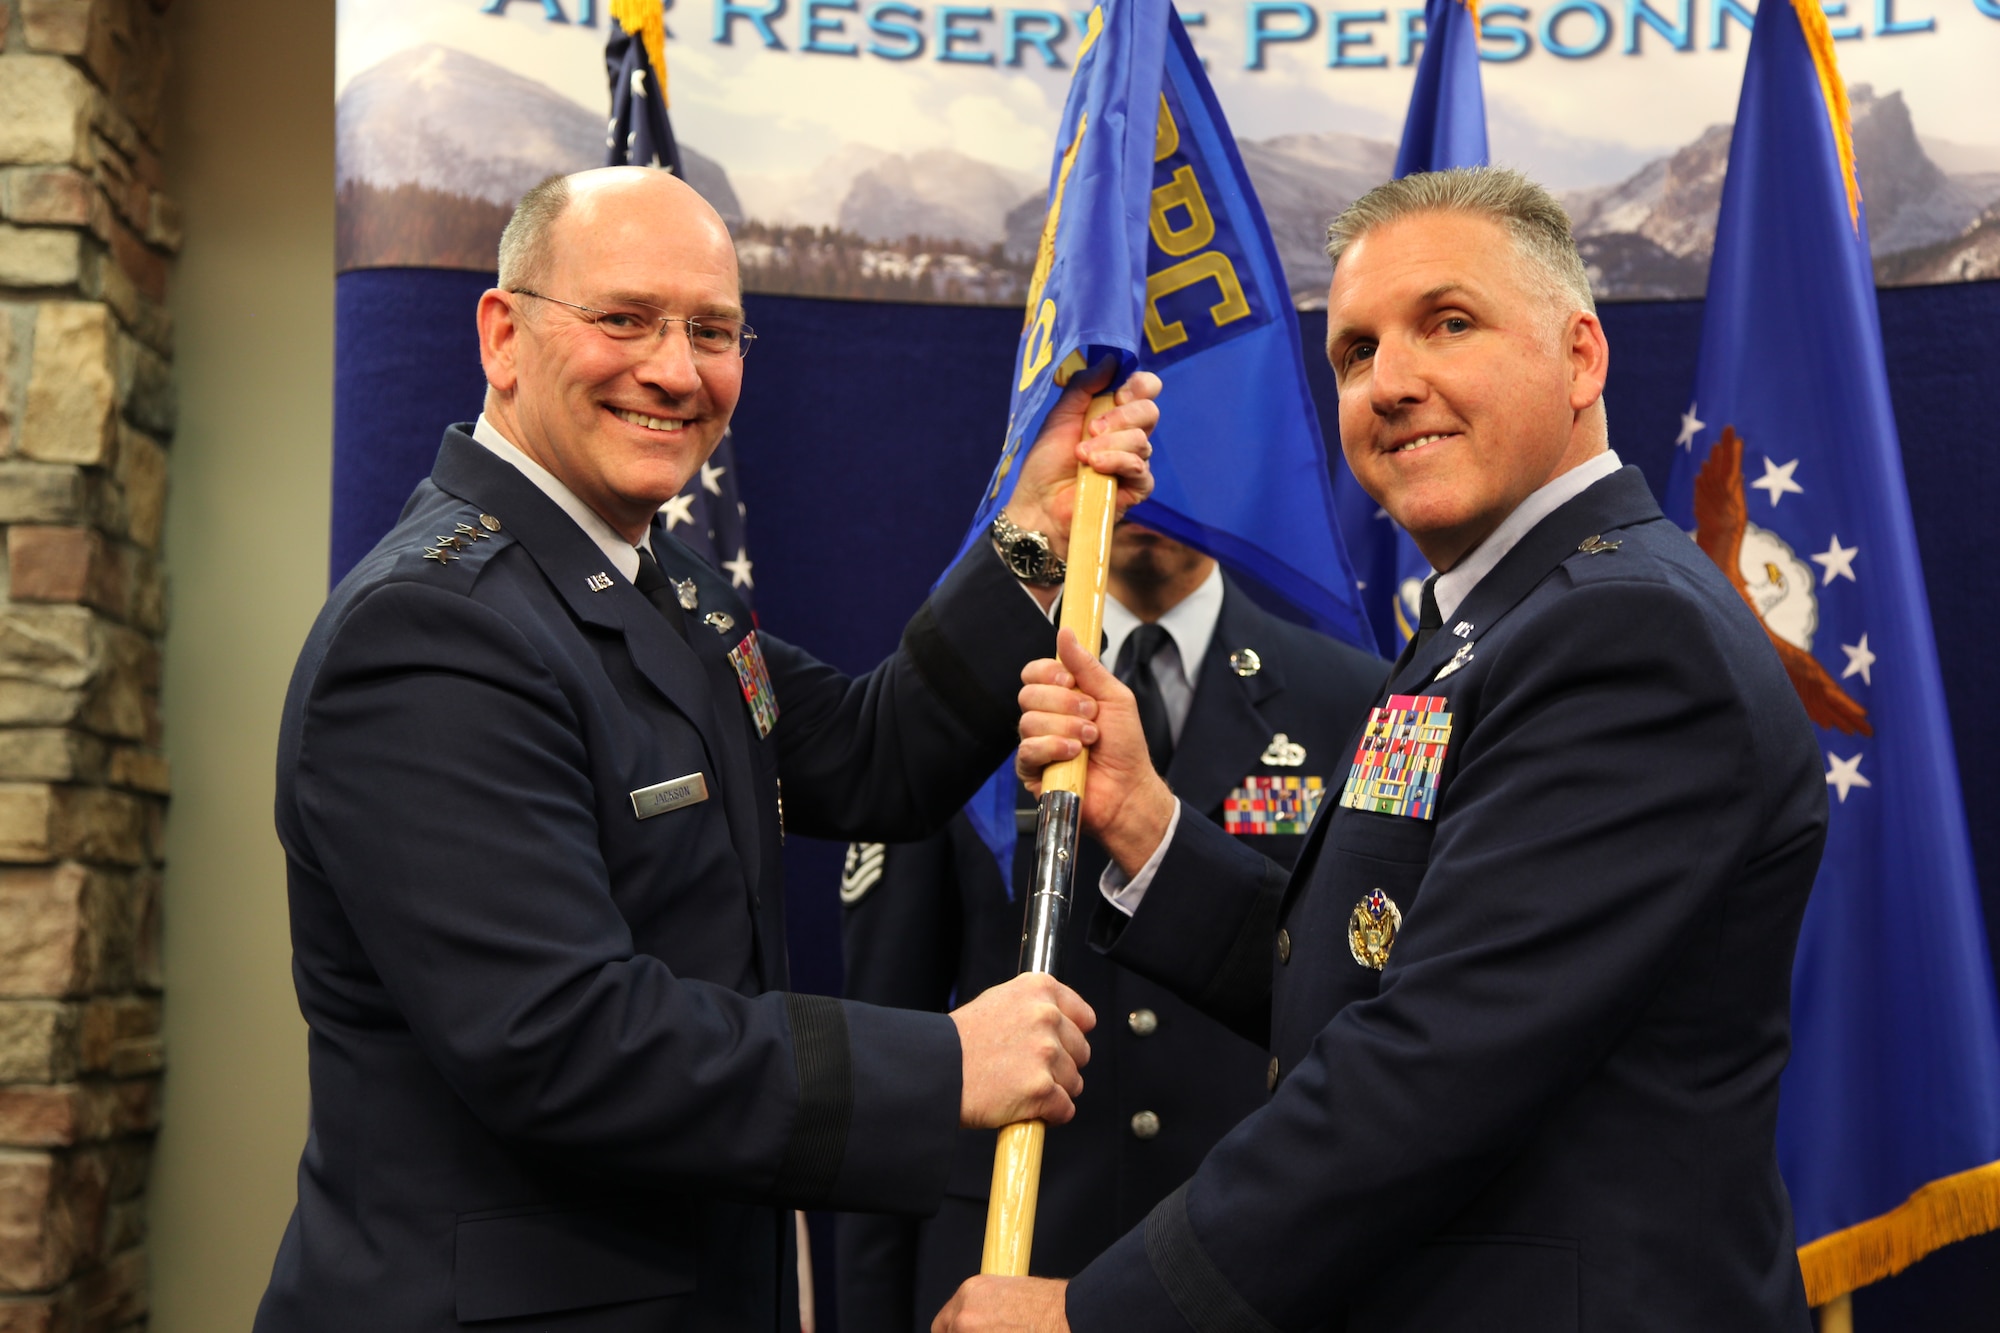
[{"x": 669, "y": 795}]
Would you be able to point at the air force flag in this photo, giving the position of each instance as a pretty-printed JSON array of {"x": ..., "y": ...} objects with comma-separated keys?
[{"x": 1789, "y": 474}]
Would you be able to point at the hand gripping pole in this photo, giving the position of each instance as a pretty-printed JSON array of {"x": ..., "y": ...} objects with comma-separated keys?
[{"x": 1017, "y": 1161}]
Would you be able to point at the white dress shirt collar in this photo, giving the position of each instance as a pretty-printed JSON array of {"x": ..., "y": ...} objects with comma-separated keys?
[
  {"x": 1453, "y": 587},
  {"x": 1190, "y": 623},
  {"x": 622, "y": 554}
]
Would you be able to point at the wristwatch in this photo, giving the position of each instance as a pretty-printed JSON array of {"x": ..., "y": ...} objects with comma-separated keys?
[{"x": 1027, "y": 553}]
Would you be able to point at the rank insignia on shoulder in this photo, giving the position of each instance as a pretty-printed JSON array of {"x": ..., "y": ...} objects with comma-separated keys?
[
  {"x": 1267, "y": 804},
  {"x": 862, "y": 870},
  {"x": 1596, "y": 545},
  {"x": 1401, "y": 754},
  {"x": 1283, "y": 752},
  {"x": 755, "y": 678},
  {"x": 444, "y": 555},
  {"x": 1371, "y": 929}
]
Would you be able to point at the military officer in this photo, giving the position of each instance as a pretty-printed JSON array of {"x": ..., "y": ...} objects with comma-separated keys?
[
  {"x": 1526, "y": 993},
  {"x": 1246, "y": 713},
  {"x": 534, "y": 770}
]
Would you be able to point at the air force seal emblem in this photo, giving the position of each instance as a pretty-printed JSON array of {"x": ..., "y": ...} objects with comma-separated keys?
[{"x": 1371, "y": 929}]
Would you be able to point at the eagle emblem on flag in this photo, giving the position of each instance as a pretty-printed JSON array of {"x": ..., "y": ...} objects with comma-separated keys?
[{"x": 1772, "y": 580}]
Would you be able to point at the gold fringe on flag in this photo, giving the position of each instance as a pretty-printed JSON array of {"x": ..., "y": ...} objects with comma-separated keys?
[
  {"x": 1954, "y": 1208},
  {"x": 647, "y": 20},
  {"x": 1819, "y": 40}
]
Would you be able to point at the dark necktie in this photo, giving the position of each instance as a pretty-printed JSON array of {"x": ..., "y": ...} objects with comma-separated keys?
[
  {"x": 1135, "y": 668},
  {"x": 1429, "y": 621},
  {"x": 652, "y": 581}
]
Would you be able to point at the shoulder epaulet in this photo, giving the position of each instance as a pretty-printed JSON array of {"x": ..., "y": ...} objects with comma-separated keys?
[{"x": 468, "y": 538}]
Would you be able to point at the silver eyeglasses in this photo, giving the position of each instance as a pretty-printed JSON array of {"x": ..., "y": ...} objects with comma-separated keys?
[{"x": 708, "y": 335}]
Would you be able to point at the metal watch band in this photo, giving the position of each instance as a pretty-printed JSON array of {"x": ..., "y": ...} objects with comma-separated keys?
[{"x": 1010, "y": 538}]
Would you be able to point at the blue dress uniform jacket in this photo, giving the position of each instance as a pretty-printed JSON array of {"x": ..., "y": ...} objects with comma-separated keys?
[
  {"x": 1553, "y": 1109},
  {"x": 940, "y": 923},
  {"x": 556, "y": 1081}
]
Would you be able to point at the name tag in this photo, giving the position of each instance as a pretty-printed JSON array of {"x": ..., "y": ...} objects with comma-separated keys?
[{"x": 669, "y": 795}]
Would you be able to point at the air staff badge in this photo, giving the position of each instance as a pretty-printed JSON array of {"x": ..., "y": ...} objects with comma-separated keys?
[{"x": 1371, "y": 929}]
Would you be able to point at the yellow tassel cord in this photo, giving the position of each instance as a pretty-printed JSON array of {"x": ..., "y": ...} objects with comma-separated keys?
[
  {"x": 1954, "y": 1208},
  {"x": 1819, "y": 40},
  {"x": 648, "y": 20},
  {"x": 1472, "y": 5}
]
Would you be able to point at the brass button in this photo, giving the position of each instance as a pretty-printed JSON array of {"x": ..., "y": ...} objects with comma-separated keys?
[
  {"x": 1271, "y": 1075},
  {"x": 1145, "y": 1125},
  {"x": 1143, "y": 1022},
  {"x": 1284, "y": 945}
]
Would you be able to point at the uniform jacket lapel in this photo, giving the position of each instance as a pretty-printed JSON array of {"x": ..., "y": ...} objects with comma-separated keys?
[
  {"x": 568, "y": 558},
  {"x": 1617, "y": 501},
  {"x": 1226, "y": 730},
  {"x": 729, "y": 716}
]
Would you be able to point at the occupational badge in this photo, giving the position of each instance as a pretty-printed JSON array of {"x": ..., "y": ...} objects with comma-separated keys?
[
  {"x": 755, "y": 678},
  {"x": 1402, "y": 751},
  {"x": 1283, "y": 752},
  {"x": 1371, "y": 929},
  {"x": 1271, "y": 804}
]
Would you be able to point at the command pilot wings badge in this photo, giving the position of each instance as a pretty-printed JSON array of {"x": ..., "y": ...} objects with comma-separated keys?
[{"x": 1771, "y": 577}]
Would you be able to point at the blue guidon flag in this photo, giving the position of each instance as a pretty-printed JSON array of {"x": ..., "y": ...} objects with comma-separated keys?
[
  {"x": 1155, "y": 251},
  {"x": 1788, "y": 473},
  {"x": 708, "y": 514},
  {"x": 1445, "y": 128}
]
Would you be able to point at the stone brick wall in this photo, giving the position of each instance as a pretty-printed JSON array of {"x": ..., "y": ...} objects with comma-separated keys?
[{"x": 86, "y": 412}]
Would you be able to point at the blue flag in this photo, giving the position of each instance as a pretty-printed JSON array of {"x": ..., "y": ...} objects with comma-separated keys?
[
  {"x": 1445, "y": 128},
  {"x": 1789, "y": 473},
  {"x": 1155, "y": 249},
  {"x": 708, "y": 514}
]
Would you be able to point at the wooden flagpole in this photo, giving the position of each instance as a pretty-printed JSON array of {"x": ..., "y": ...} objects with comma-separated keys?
[{"x": 1017, "y": 1161}]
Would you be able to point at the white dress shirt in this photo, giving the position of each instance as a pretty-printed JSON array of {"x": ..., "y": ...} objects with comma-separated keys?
[
  {"x": 1451, "y": 590},
  {"x": 1190, "y": 624}
]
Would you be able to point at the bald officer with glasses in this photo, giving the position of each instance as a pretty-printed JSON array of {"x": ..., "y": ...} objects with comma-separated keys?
[{"x": 534, "y": 769}]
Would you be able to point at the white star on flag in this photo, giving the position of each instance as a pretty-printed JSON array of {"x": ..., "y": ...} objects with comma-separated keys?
[
  {"x": 1777, "y": 480},
  {"x": 1859, "y": 659},
  {"x": 1690, "y": 426},
  {"x": 739, "y": 570},
  {"x": 1845, "y": 774},
  {"x": 1837, "y": 561},
  {"x": 678, "y": 510},
  {"x": 711, "y": 478}
]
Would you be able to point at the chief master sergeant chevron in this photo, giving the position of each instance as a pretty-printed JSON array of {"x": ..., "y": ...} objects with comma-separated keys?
[
  {"x": 529, "y": 794},
  {"x": 1527, "y": 991}
]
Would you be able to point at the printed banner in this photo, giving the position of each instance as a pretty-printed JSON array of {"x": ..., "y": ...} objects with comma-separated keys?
[{"x": 896, "y": 150}]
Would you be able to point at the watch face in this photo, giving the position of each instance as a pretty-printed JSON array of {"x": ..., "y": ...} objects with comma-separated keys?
[{"x": 1026, "y": 557}]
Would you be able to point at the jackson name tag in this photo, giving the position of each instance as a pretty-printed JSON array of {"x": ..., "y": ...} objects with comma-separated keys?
[{"x": 669, "y": 795}]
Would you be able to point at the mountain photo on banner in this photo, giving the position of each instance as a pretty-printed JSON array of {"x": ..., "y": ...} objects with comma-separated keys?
[
  {"x": 708, "y": 515},
  {"x": 1788, "y": 473},
  {"x": 1445, "y": 127},
  {"x": 894, "y": 152},
  {"x": 1154, "y": 251}
]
